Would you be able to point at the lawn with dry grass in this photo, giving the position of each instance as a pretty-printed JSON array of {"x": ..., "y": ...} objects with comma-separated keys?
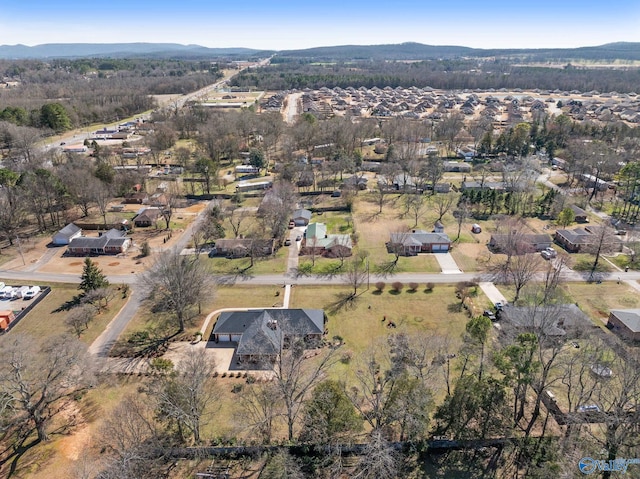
[
  {"x": 48, "y": 317},
  {"x": 150, "y": 327}
]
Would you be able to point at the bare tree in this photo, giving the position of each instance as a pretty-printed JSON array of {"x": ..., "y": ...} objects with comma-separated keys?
[
  {"x": 79, "y": 318},
  {"x": 188, "y": 395},
  {"x": 39, "y": 377},
  {"x": 379, "y": 458},
  {"x": 416, "y": 206},
  {"x": 603, "y": 241},
  {"x": 260, "y": 409},
  {"x": 442, "y": 203},
  {"x": 178, "y": 283},
  {"x": 236, "y": 216},
  {"x": 356, "y": 273},
  {"x": 129, "y": 435},
  {"x": 295, "y": 376}
]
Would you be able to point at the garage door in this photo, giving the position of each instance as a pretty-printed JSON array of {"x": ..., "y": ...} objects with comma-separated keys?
[
  {"x": 439, "y": 248},
  {"x": 235, "y": 337}
]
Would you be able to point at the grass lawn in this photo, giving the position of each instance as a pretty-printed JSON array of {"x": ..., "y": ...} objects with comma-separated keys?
[
  {"x": 596, "y": 300},
  {"x": 161, "y": 325},
  {"x": 360, "y": 323},
  {"x": 584, "y": 262},
  {"x": 272, "y": 265},
  {"x": 47, "y": 318}
]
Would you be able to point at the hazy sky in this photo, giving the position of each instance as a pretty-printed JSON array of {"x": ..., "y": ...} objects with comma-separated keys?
[{"x": 285, "y": 24}]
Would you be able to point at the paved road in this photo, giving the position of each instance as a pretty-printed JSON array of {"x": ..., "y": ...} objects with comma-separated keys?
[
  {"x": 275, "y": 279},
  {"x": 103, "y": 344}
]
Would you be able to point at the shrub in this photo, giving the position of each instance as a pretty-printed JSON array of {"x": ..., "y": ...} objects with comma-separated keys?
[
  {"x": 236, "y": 388},
  {"x": 413, "y": 286},
  {"x": 397, "y": 286},
  {"x": 346, "y": 357},
  {"x": 145, "y": 249},
  {"x": 380, "y": 285},
  {"x": 161, "y": 365},
  {"x": 430, "y": 286}
]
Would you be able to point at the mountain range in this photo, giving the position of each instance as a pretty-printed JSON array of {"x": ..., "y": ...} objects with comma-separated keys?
[{"x": 403, "y": 51}]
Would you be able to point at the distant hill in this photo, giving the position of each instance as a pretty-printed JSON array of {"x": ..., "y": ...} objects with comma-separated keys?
[
  {"x": 120, "y": 50},
  {"x": 403, "y": 51},
  {"x": 418, "y": 51}
]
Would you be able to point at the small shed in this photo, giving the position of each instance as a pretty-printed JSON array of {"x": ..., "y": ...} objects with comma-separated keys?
[
  {"x": 66, "y": 234},
  {"x": 476, "y": 228}
]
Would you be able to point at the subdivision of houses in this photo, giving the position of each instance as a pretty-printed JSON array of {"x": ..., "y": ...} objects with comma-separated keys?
[{"x": 262, "y": 333}]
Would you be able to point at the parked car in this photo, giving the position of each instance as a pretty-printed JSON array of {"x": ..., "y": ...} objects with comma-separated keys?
[
  {"x": 589, "y": 408},
  {"x": 291, "y": 225},
  {"x": 298, "y": 238},
  {"x": 545, "y": 254},
  {"x": 287, "y": 242},
  {"x": 212, "y": 253},
  {"x": 489, "y": 314}
]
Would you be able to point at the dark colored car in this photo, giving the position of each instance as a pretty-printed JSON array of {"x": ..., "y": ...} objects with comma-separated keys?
[{"x": 287, "y": 242}]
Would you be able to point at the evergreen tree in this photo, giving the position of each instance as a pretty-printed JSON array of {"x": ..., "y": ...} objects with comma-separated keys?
[{"x": 92, "y": 277}]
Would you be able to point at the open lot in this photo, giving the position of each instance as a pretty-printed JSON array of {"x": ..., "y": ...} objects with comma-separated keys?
[{"x": 47, "y": 318}]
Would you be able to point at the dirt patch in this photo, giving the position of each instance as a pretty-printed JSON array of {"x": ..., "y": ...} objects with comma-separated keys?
[
  {"x": 114, "y": 264},
  {"x": 75, "y": 263}
]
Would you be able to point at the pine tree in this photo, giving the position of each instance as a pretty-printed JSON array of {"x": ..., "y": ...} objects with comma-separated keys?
[{"x": 92, "y": 277}]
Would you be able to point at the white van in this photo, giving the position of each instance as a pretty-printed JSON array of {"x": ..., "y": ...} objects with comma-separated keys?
[
  {"x": 22, "y": 290},
  {"x": 5, "y": 292},
  {"x": 32, "y": 293}
]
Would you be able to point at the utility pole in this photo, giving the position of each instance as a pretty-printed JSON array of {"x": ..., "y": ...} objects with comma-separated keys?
[{"x": 20, "y": 249}]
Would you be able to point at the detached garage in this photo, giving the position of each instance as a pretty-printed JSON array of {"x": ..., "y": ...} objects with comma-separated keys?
[{"x": 66, "y": 234}]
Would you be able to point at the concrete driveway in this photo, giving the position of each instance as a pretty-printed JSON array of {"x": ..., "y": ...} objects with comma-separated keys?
[
  {"x": 447, "y": 263},
  {"x": 494, "y": 295}
]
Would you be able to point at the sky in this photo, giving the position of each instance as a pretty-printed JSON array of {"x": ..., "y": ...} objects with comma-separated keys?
[{"x": 286, "y": 24}]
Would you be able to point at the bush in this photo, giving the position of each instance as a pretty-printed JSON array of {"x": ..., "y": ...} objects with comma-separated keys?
[
  {"x": 346, "y": 357},
  {"x": 236, "y": 388},
  {"x": 397, "y": 286},
  {"x": 430, "y": 286},
  {"x": 161, "y": 365},
  {"x": 145, "y": 249},
  {"x": 413, "y": 286},
  {"x": 380, "y": 285}
]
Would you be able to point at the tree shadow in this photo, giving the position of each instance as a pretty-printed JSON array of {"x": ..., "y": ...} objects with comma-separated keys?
[
  {"x": 454, "y": 307},
  {"x": 69, "y": 305},
  {"x": 17, "y": 450},
  {"x": 344, "y": 301}
]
